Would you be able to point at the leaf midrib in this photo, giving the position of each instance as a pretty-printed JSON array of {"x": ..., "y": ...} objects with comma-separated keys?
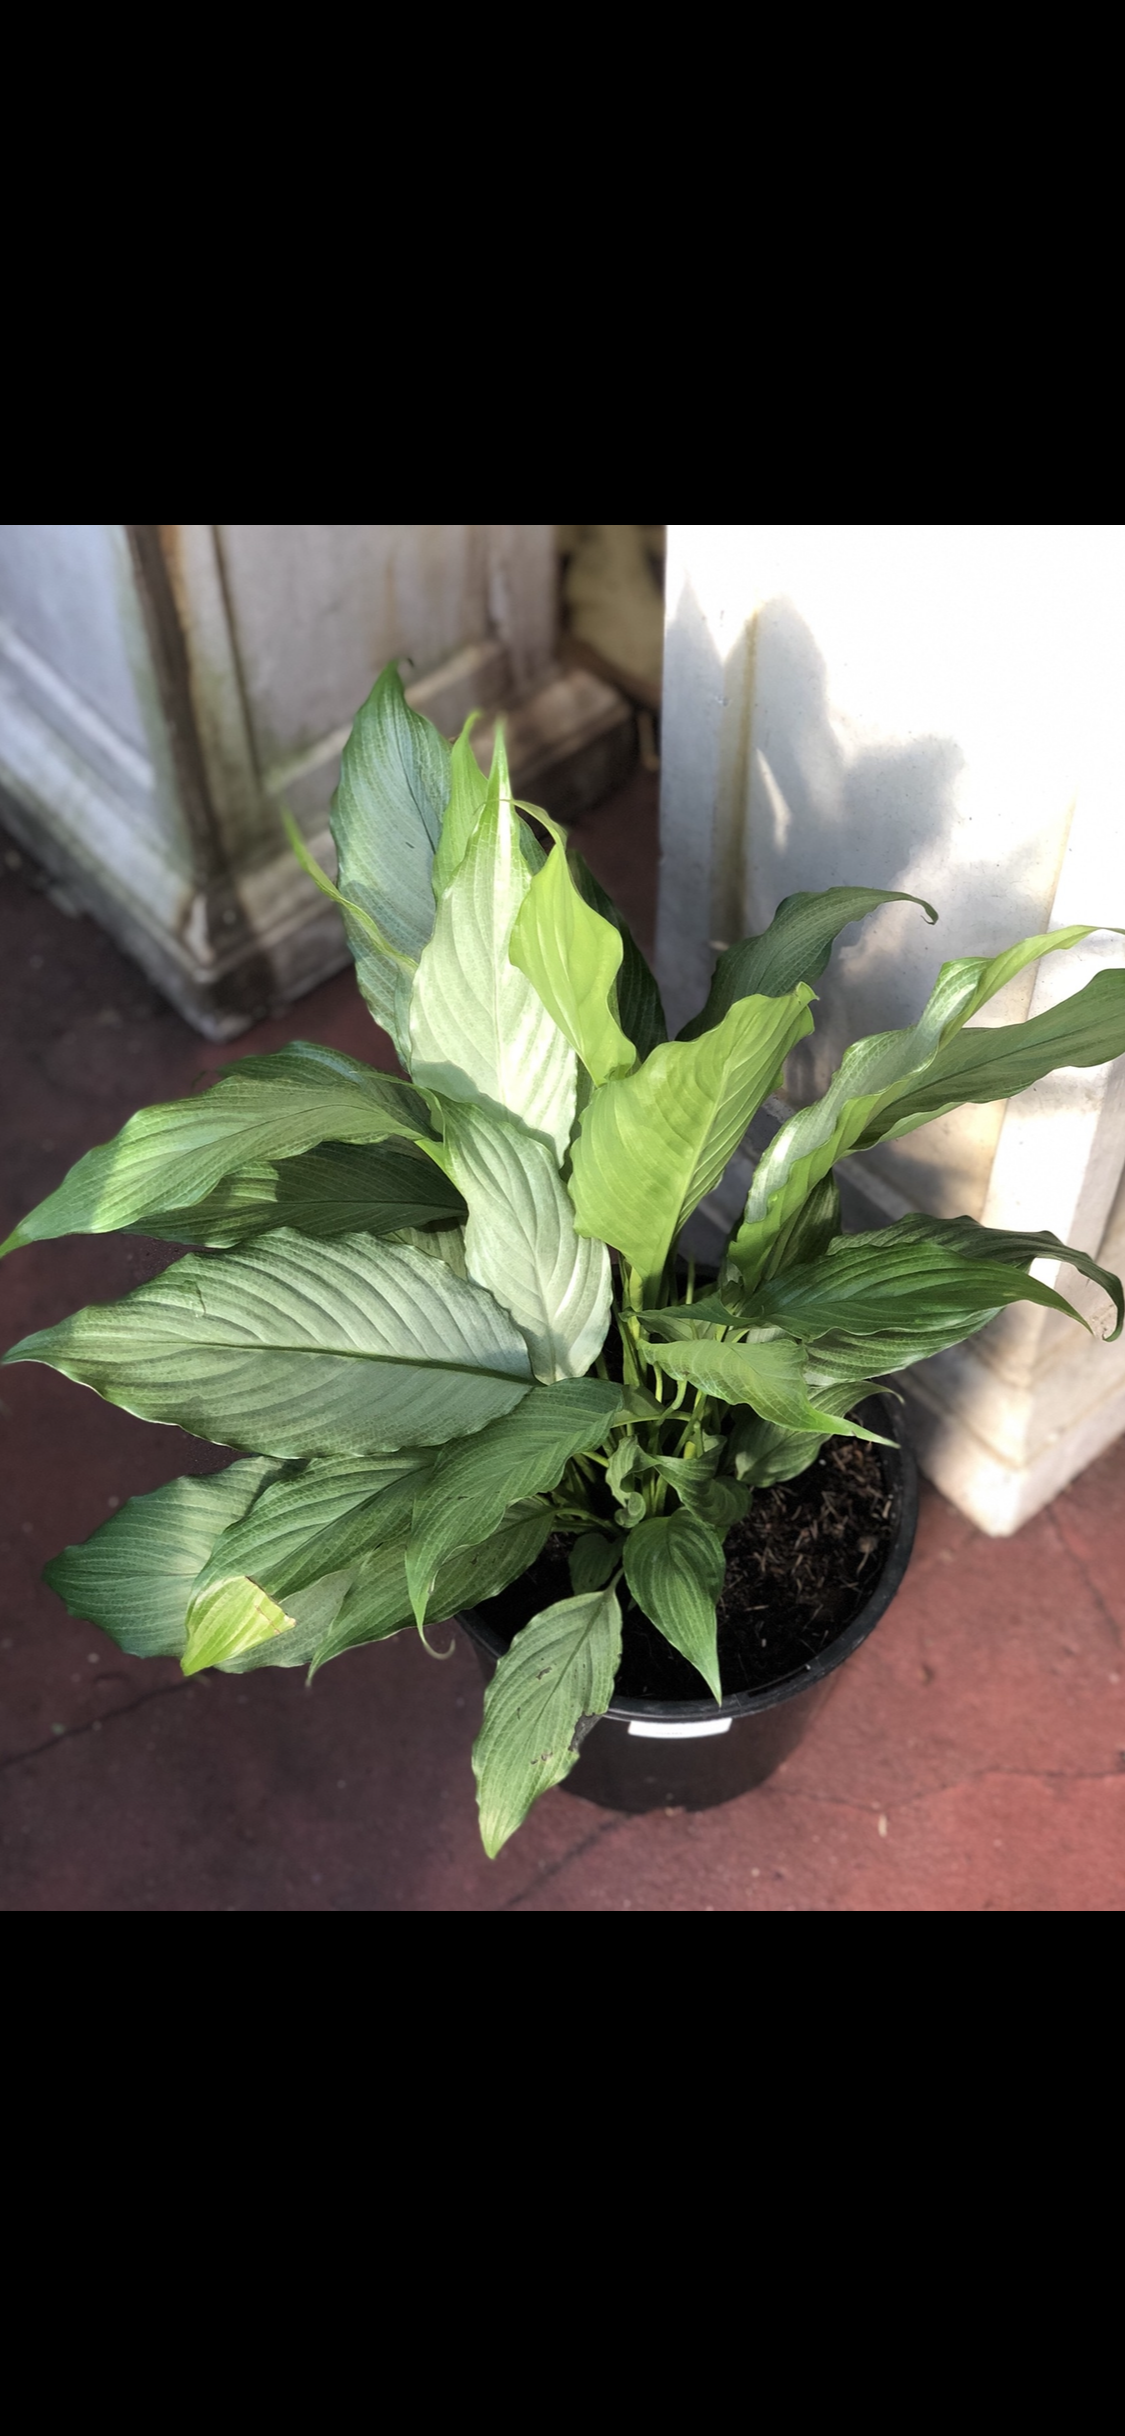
[{"x": 343, "y": 1353}]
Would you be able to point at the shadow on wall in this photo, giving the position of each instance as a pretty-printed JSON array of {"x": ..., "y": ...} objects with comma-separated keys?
[
  {"x": 824, "y": 802},
  {"x": 825, "y": 807},
  {"x": 812, "y": 797}
]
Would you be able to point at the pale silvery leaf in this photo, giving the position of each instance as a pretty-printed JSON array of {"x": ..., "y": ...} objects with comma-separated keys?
[
  {"x": 479, "y": 1031},
  {"x": 521, "y": 1241}
]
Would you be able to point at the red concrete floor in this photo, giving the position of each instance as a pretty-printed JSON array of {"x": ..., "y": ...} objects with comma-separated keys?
[{"x": 972, "y": 1757}]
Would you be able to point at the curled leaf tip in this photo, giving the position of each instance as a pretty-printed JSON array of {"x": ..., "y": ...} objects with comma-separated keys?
[
  {"x": 545, "y": 819},
  {"x": 431, "y": 1652}
]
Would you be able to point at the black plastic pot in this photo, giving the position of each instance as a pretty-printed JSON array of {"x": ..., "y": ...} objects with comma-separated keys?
[{"x": 658, "y": 1754}]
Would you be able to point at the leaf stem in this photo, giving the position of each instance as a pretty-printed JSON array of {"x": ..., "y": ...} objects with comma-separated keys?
[
  {"x": 687, "y": 1448},
  {"x": 580, "y": 1514}
]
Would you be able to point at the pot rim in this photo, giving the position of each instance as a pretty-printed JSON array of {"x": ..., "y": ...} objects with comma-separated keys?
[{"x": 901, "y": 1471}]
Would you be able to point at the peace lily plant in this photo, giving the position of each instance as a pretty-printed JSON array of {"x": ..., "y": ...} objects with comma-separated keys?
[{"x": 405, "y": 1311}]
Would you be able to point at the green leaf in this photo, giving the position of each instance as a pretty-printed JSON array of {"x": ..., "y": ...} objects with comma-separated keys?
[
  {"x": 134, "y": 1576},
  {"x": 241, "y": 1205},
  {"x": 591, "y": 1561},
  {"x": 378, "y": 1604},
  {"x": 683, "y": 1322},
  {"x": 360, "y": 926},
  {"x": 796, "y": 947},
  {"x": 229, "y": 1620},
  {"x": 479, "y": 1032},
  {"x": 169, "y": 1158},
  {"x": 808, "y": 1146},
  {"x": 722, "y": 1502},
  {"x": 767, "y": 1373},
  {"x": 436, "y": 1243},
  {"x": 763, "y": 1453},
  {"x": 638, "y": 1404},
  {"x": 533, "y": 853},
  {"x": 674, "y": 1567},
  {"x": 521, "y": 1241},
  {"x": 719, "y": 1502},
  {"x": 572, "y": 957},
  {"x": 639, "y": 1009},
  {"x": 881, "y": 1300},
  {"x": 470, "y": 1576},
  {"x": 810, "y": 1231},
  {"x": 387, "y": 823},
  {"x": 995, "y": 1061},
  {"x": 300, "y": 1348},
  {"x": 324, "y": 1520},
  {"x": 651, "y": 1147},
  {"x": 556, "y": 1679},
  {"x": 997, "y": 971},
  {"x": 893, "y": 1081},
  {"x": 341, "y": 1188},
  {"x": 385, "y": 976},
  {"x": 305, "y": 1062},
  {"x": 471, "y": 1485},
  {"x": 627, "y": 1458},
  {"x": 311, "y": 1612},
  {"x": 467, "y": 791}
]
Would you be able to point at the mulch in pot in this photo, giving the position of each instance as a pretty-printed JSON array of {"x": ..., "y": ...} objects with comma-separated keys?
[{"x": 799, "y": 1568}]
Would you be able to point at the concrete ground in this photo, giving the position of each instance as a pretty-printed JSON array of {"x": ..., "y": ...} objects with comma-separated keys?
[{"x": 972, "y": 1757}]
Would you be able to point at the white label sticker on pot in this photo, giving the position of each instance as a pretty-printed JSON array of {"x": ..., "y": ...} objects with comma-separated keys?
[{"x": 680, "y": 1733}]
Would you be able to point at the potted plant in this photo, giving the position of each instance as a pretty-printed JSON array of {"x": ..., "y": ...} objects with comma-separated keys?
[{"x": 440, "y": 1318}]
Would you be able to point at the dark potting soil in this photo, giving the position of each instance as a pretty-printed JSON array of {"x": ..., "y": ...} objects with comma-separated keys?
[{"x": 799, "y": 1568}]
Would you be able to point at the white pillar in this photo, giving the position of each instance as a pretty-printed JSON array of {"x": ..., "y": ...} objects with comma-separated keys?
[
  {"x": 932, "y": 708},
  {"x": 164, "y": 689}
]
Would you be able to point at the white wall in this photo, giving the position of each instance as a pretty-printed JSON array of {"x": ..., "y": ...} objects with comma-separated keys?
[
  {"x": 165, "y": 689},
  {"x": 316, "y": 610},
  {"x": 74, "y": 651},
  {"x": 932, "y": 708}
]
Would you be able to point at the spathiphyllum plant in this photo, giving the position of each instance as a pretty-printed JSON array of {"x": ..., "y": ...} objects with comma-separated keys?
[{"x": 441, "y": 1316}]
